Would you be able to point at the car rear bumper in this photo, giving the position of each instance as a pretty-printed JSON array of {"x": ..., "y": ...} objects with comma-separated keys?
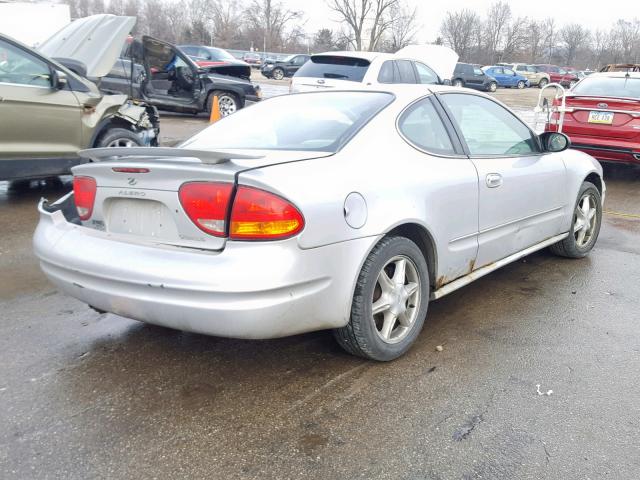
[{"x": 248, "y": 290}]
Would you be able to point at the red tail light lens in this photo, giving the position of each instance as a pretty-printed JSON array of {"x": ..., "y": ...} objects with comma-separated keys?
[
  {"x": 84, "y": 193},
  {"x": 206, "y": 204},
  {"x": 260, "y": 215}
]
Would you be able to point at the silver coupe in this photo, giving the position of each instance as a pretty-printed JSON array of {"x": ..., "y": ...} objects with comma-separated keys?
[{"x": 342, "y": 210}]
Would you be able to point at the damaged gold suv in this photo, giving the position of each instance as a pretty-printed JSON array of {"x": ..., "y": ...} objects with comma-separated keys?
[{"x": 48, "y": 113}]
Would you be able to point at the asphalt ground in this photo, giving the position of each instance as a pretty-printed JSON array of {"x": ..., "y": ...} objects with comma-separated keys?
[{"x": 85, "y": 395}]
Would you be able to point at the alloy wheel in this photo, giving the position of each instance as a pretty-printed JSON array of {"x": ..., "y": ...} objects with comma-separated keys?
[
  {"x": 396, "y": 299},
  {"x": 585, "y": 220},
  {"x": 227, "y": 105},
  {"x": 122, "y": 142},
  {"x": 278, "y": 74}
]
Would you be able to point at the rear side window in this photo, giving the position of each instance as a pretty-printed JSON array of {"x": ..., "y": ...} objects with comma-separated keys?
[
  {"x": 421, "y": 126},
  {"x": 334, "y": 67},
  {"x": 387, "y": 72},
  {"x": 425, "y": 74}
]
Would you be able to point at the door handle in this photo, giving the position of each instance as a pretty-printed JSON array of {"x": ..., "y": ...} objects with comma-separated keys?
[{"x": 494, "y": 180}]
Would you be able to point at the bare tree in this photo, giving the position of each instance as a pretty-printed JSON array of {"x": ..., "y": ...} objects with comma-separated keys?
[
  {"x": 535, "y": 40},
  {"x": 403, "y": 29},
  {"x": 550, "y": 36},
  {"x": 382, "y": 21},
  {"x": 515, "y": 37},
  {"x": 458, "y": 30},
  {"x": 226, "y": 19},
  {"x": 575, "y": 37},
  {"x": 353, "y": 13},
  {"x": 498, "y": 18},
  {"x": 269, "y": 19}
]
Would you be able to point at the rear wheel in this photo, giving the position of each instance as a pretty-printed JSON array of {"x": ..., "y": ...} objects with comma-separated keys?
[
  {"x": 543, "y": 83},
  {"x": 119, "y": 137},
  {"x": 278, "y": 74},
  {"x": 493, "y": 86},
  {"x": 585, "y": 226},
  {"x": 458, "y": 83},
  {"x": 521, "y": 84},
  {"x": 389, "y": 303}
]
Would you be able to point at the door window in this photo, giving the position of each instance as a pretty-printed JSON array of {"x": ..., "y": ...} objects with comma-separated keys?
[
  {"x": 509, "y": 72},
  {"x": 407, "y": 75},
  {"x": 425, "y": 74},
  {"x": 299, "y": 60},
  {"x": 22, "y": 68},
  {"x": 421, "y": 125},
  {"x": 478, "y": 71},
  {"x": 488, "y": 128}
]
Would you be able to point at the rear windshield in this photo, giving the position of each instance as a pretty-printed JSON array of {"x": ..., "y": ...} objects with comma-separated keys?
[
  {"x": 336, "y": 67},
  {"x": 310, "y": 121},
  {"x": 609, "y": 87}
]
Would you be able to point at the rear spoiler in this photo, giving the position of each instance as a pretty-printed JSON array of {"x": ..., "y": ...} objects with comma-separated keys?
[{"x": 210, "y": 157}]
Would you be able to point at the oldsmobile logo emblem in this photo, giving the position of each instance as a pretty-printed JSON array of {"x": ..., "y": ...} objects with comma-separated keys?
[
  {"x": 131, "y": 181},
  {"x": 603, "y": 105}
]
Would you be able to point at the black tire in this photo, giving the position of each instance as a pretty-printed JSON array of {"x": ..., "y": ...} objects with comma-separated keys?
[
  {"x": 570, "y": 246},
  {"x": 543, "y": 83},
  {"x": 361, "y": 335},
  {"x": 277, "y": 74},
  {"x": 521, "y": 85},
  {"x": 229, "y": 102},
  {"x": 119, "y": 137},
  {"x": 493, "y": 86},
  {"x": 458, "y": 83}
]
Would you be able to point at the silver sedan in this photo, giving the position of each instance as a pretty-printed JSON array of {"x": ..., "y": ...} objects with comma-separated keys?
[{"x": 342, "y": 210}]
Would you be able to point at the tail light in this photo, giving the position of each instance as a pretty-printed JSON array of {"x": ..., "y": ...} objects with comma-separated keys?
[
  {"x": 84, "y": 194},
  {"x": 206, "y": 205},
  {"x": 260, "y": 215},
  {"x": 255, "y": 214}
]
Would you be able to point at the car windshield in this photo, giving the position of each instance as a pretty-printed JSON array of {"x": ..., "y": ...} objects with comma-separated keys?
[
  {"x": 312, "y": 121},
  {"x": 609, "y": 87},
  {"x": 288, "y": 58},
  {"x": 335, "y": 67},
  {"x": 219, "y": 54}
]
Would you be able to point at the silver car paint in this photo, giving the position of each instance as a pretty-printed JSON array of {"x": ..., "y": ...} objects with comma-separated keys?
[{"x": 262, "y": 290}]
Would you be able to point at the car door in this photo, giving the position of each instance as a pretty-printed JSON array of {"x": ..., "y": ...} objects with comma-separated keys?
[
  {"x": 37, "y": 119},
  {"x": 475, "y": 76},
  {"x": 450, "y": 185},
  {"x": 499, "y": 75},
  {"x": 295, "y": 64},
  {"x": 510, "y": 77},
  {"x": 521, "y": 188}
]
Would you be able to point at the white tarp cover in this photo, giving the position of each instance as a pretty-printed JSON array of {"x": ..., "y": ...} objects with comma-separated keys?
[{"x": 441, "y": 59}]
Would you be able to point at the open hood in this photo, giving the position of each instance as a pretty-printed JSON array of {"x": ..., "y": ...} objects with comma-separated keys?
[
  {"x": 441, "y": 59},
  {"x": 96, "y": 41}
]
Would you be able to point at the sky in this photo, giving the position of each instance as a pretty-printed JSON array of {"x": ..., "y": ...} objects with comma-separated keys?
[{"x": 590, "y": 13}]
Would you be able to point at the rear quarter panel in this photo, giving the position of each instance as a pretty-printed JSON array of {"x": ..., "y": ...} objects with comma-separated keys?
[{"x": 399, "y": 184}]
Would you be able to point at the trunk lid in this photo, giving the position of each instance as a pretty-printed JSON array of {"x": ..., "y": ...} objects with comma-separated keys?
[
  {"x": 138, "y": 201},
  {"x": 96, "y": 41},
  {"x": 620, "y": 117}
]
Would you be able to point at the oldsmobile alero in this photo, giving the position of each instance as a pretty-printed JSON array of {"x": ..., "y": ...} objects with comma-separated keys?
[{"x": 342, "y": 210}]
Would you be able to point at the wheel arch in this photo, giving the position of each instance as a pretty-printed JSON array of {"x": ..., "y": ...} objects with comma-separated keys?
[
  {"x": 594, "y": 178},
  {"x": 107, "y": 123},
  {"x": 419, "y": 235}
]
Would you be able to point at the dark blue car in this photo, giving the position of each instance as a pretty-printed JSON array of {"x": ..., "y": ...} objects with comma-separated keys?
[{"x": 506, "y": 77}]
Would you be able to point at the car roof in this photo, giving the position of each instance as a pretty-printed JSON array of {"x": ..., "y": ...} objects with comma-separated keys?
[{"x": 357, "y": 54}]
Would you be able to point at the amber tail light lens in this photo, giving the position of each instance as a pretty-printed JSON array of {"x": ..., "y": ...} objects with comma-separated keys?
[
  {"x": 84, "y": 194},
  {"x": 260, "y": 215}
]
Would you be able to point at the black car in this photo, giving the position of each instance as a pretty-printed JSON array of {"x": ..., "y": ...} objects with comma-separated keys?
[
  {"x": 161, "y": 74},
  {"x": 471, "y": 76},
  {"x": 280, "y": 69}
]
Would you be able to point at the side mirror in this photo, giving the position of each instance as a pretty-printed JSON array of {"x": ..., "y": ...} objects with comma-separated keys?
[
  {"x": 555, "y": 142},
  {"x": 446, "y": 81},
  {"x": 59, "y": 80}
]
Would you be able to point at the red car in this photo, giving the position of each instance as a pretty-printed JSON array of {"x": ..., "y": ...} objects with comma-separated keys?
[
  {"x": 558, "y": 75},
  {"x": 602, "y": 116}
]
